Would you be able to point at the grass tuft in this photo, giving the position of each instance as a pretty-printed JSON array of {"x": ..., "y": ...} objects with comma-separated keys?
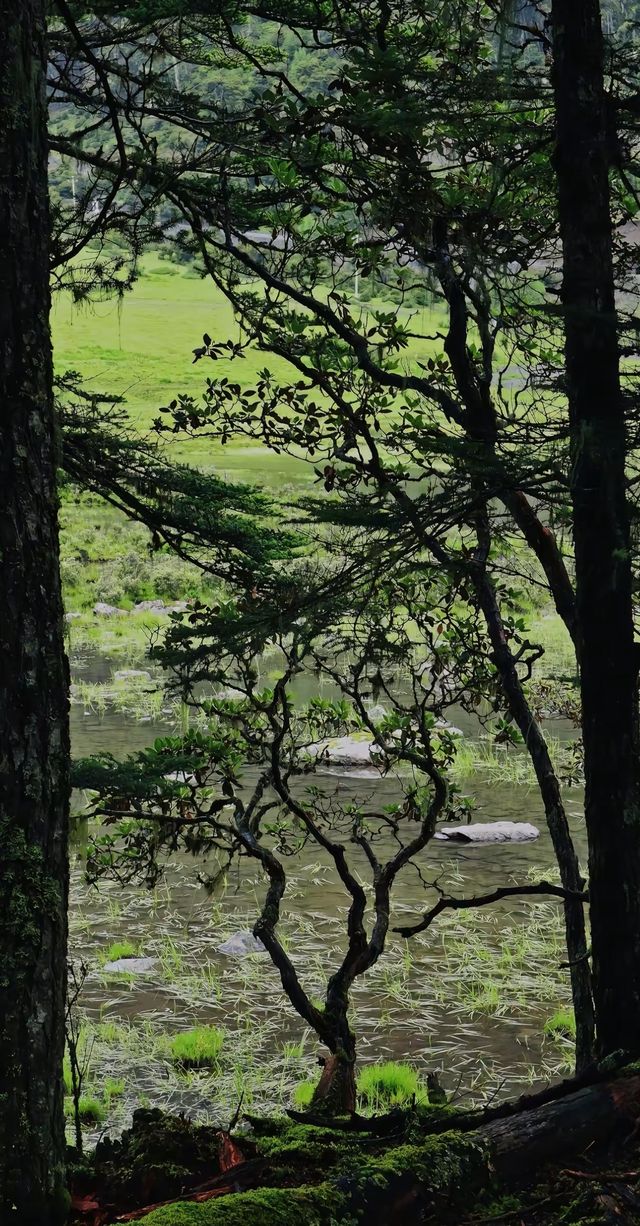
[
  {"x": 390, "y": 1085},
  {"x": 562, "y": 1025},
  {"x": 198, "y": 1048}
]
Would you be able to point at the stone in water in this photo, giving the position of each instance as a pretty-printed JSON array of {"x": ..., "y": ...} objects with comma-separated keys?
[
  {"x": 241, "y": 944},
  {"x": 490, "y": 832},
  {"x": 130, "y": 966}
]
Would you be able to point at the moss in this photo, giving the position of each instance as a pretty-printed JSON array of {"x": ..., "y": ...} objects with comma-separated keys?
[
  {"x": 296, "y": 1145},
  {"x": 321, "y": 1206},
  {"x": 449, "y": 1169},
  {"x": 154, "y": 1159},
  {"x": 28, "y": 894}
]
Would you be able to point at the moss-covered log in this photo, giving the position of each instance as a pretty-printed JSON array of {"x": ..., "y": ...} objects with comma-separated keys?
[{"x": 429, "y": 1179}]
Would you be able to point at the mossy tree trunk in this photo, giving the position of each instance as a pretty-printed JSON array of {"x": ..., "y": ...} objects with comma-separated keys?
[
  {"x": 34, "y": 750},
  {"x": 607, "y": 652}
]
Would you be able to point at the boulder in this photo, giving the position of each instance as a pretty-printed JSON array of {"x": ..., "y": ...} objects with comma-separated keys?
[
  {"x": 71, "y": 617},
  {"x": 489, "y": 832},
  {"x": 241, "y": 944},
  {"x": 130, "y": 966},
  {"x": 346, "y": 751},
  {"x": 150, "y": 606},
  {"x": 132, "y": 674},
  {"x": 108, "y": 610}
]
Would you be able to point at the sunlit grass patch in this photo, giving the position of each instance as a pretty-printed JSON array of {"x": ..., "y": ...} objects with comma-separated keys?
[
  {"x": 561, "y": 1025},
  {"x": 392, "y": 1084},
  {"x": 197, "y": 1048}
]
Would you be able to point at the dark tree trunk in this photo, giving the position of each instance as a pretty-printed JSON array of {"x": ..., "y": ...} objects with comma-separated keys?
[
  {"x": 335, "y": 1093},
  {"x": 600, "y": 520},
  {"x": 34, "y": 749}
]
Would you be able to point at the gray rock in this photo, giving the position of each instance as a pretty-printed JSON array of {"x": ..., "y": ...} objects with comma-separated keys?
[
  {"x": 130, "y": 966},
  {"x": 241, "y": 944},
  {"x": 150, "y": 606},
  {"x": 71, "y": 617},
  {"x": 132, "y": 674},
  {"x": 489, "y": 832},
  {"x": 108, "y": 610},
  {"x": 345, "y": 751}
]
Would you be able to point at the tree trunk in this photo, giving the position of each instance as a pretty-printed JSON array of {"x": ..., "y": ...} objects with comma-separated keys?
[
  {"x": 600, "y": 523},
  {"x": 34, "y": 749},
  {"x": 335, "y": 1093}
]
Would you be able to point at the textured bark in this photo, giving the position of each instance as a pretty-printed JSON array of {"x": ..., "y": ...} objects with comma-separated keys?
[
  {"x": 34, "y": 749},
  {"x": 600, "y": 522}
]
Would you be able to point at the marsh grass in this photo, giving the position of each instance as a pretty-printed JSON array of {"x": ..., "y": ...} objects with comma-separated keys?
[
  {"x": 469, "y": 998},
  {"x": 498, "y": 763},
  {"x": 197, "y": 1048},
  {"x": 392, "y": 1084},
  {"x": 118, "y": 950}
]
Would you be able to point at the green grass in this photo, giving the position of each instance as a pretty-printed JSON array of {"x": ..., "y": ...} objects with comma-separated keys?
[
  {"x": 197, "y": 1048},
  {"x": 561, "y": 1025},
  {"x": 380, "y": 1086},
  {"x": 91, "y": 1109},
  {"x": 392, "y": 1084},
  {"x": 119, "y": 949}
]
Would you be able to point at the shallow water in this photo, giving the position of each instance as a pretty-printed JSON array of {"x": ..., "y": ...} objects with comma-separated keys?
[{"x": 468, "y": 998}]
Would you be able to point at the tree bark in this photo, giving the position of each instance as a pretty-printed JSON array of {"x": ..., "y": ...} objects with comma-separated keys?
[
  {"x": 34, "y": 748},
  {"x": 605, "y": 636}
]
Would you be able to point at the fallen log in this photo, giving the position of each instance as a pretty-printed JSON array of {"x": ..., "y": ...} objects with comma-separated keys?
[{"x": 430, "y": 1180}]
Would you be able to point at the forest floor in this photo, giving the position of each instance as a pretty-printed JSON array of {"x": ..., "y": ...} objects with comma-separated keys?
[{"x": 168, "y": 1172}]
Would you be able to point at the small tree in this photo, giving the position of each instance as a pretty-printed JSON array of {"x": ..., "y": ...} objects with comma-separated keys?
[{"x": 398, "y": 652}]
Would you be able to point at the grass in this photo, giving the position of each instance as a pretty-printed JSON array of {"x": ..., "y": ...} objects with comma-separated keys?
[
  {"x": 499, "y": 763},
  {"x": 379, "y": 1087},
  {"x": 561, "y": 1025},
  {"x": 119, "y": 949},
  {"x": 197, "y": 1048},
  {"x": 392, "y": 1084},
  {"x": 90, "y": 1109}
]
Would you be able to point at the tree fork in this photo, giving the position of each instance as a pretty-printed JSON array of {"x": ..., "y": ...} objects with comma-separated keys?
[{"x": 34, "y": 744}]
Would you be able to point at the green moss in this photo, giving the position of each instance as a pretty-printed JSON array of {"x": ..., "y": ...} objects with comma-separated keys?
[
  {"x": 295, "y": 1145},
  {"x": 197, "y": 1048},
  {"x": 449, "y": 1167},
  {"x": 321, "y": 1206}
]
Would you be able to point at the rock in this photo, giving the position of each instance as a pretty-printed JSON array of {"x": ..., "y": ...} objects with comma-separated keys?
[
  {"x": 489, "y": 832},
  {"x": 130, "y": 966},
  {"x": 132, "y": 674},
  {"x": 150, "y": 606},
  {"x": 108, "y": 610},
  {"x": 71, "y": 617},
  {"x": 442, "y": 725},
  {"x": 241, "y": 944},
  {"x": 345, "y": 751}
]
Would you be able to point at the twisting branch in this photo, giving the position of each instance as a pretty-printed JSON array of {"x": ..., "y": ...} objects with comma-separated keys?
[{"x": 485, "y": 900}]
